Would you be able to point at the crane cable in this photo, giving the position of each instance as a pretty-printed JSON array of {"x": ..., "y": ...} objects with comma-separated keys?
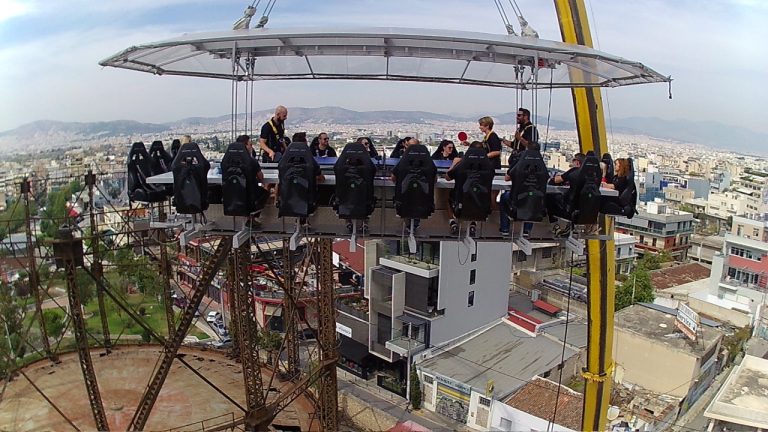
[{"x": 504, "y": 19}]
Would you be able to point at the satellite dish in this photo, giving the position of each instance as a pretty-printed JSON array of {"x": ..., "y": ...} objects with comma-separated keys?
[
  {"x": 462, "y": 136},
  {"x": 613, "y": 412}
]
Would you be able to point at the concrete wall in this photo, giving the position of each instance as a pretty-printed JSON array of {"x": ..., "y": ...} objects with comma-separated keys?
[
  {"x": 521, "y": 421},
  {"x": 491, "y": 288},
  {"x": 721, "y": 309},
  {"x": 652, "y": 365}
]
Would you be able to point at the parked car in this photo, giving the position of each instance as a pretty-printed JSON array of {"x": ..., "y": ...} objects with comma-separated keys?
[
  {"x": 219, "y": 328},
  {"x": 223, "y": 343},
  {"x": 213, "y": 316}
]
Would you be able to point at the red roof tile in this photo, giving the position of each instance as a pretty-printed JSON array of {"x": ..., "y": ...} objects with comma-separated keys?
[
  {"x": 678, "y": 275},
  {"x": 538, "y": 399}
]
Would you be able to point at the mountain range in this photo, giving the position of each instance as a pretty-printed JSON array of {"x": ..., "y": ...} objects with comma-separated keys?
[{"x": 720, "y": 136}]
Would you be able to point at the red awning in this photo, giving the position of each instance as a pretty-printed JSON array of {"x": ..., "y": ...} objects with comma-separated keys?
[{"x": 546, "y": 307}]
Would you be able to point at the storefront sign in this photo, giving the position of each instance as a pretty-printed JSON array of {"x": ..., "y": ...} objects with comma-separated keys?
[
  {"x": 687, "y": 321},
  {"x": 344, "y": 330}
]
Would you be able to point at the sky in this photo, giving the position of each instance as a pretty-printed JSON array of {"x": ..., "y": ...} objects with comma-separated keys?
[{"x": 49, "y": 52}]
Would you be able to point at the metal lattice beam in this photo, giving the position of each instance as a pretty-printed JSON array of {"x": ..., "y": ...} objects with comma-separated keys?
[
  {"x": 328, "y": 396},
  {"x": 249, "y": 333},
  {"x": 81, "y": 339},
  {"x": 96, "y": 266},
  {"x": 290, "y": 314},
  {"x": 34, "y": 276},
  {"x": 234, "y": 306},
  {"x": 173, "y": 343}
]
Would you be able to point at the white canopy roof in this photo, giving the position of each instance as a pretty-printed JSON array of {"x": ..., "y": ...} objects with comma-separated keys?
[{"x": 384, "y": 54}]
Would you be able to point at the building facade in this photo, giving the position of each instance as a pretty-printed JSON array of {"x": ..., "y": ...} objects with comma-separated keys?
[{"x": 658, "y": 229}]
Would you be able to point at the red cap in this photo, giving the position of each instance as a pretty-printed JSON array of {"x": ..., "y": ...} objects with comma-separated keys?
[{"x": 462, "y": 136}]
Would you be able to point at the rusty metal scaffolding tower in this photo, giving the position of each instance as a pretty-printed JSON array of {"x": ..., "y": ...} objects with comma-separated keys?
[{"x": 69, "y": 252}]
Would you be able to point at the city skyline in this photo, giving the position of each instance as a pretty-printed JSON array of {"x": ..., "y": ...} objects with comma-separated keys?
[{"x": 55, "y": 74}]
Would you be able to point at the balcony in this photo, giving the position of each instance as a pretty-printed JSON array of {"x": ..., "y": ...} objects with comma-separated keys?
[
  {"x": 734, "y": 284},
  {"x": 411, "y": 265},
  {"x": 405, "y": 346},
  {"x": 411, "y": 338}
]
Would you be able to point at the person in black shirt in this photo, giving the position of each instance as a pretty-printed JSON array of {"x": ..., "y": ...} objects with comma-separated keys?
[
  {"x": 526, "y": 133},
  {"x": 323, "y": 148},
  {"x": 272, "y": 137},
  {"x": 491, "y": 141},
  {"x": 565, "y": 178},
  {"x": 368, "y": 144},
  {"x": 401, "y": 145},
  {"x": 445, "y": 151}
]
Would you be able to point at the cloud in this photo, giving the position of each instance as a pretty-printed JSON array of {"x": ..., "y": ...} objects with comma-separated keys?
[
  {"x": 708, "y": 47},
  {"x": 13, "y": 8}
]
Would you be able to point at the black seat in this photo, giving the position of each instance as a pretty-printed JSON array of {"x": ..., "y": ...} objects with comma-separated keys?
[
  {"x": 139, "y": 169},
  {"x": 583, "y": 197},
  {"x": 175, "y": 146},
  {"x": 415, "y": 176},
  {"x": 241, "y": 193},
  {"x": 608, "y": 161},
  {"x": 160, "y": 162},
  {"x": 529, "y": 187},
  {"x": 354, "y": 172},
  {"x": 297, "y": 172},
  {"x": 471, "y": 195},
  {"x": 190, "y": 180}
]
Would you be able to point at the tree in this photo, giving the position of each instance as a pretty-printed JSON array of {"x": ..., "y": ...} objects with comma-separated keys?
[
  {"x": 636, "y": 289},
  {"x": 86, "y": 285},
  {"x": 12, "y": 318},
  {"x": 415, "y": 395},
  {"x": 54, "y": 322}
]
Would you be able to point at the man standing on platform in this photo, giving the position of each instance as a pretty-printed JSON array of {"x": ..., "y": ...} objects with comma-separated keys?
[{"x": 271, "y": 139}]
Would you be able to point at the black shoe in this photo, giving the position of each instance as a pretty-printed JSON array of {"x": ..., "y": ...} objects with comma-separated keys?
[
  {"x": 364, "y": 229},
  {"x": 454, "y": 226},
  {"x": 472, "y": 229},
  {"x": 349, "y": 227}
]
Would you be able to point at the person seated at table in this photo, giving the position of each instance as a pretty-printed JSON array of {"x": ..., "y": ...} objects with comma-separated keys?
[
  {"x": 619, "y": 182},
  {"x": 477, "y": 148},
  {"x": 321, "y": 146},
  {"x": 401, "y": 146},
  {"x": 368, "y": 144},
  {"x": 446, "y": 150},
  {"x": 564, "y": 179}
]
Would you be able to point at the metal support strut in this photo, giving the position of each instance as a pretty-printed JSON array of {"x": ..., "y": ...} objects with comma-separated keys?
[
  {"x": 290, "y": 313},
  {"x": 81, "y": 337},
  {"x": 601, "y": 261},
  {"x": 96, "y": 266},
  {"x": 172, "y": 344},
  {"x": 328, "y": 396},
  {"x": 34, "y": 276}
]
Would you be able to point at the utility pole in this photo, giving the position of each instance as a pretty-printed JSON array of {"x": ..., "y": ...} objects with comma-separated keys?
[
  {"x": 96, "y": 267},
  {"x": 34, "y": 276}
]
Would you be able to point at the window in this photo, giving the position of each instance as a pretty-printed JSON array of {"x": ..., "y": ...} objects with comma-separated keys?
[
  {"x": 653, "y": 243},
  {"x": 505, "y": 424},
  {"x": 521, "y": 256},
  {"x": 473, "y": 258},
  {"x": 484, "y": 401},
  {"x": 472, "y": 276},
  {"x": 471, "y": 299},
  {"x": 546, "y": 253}
]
